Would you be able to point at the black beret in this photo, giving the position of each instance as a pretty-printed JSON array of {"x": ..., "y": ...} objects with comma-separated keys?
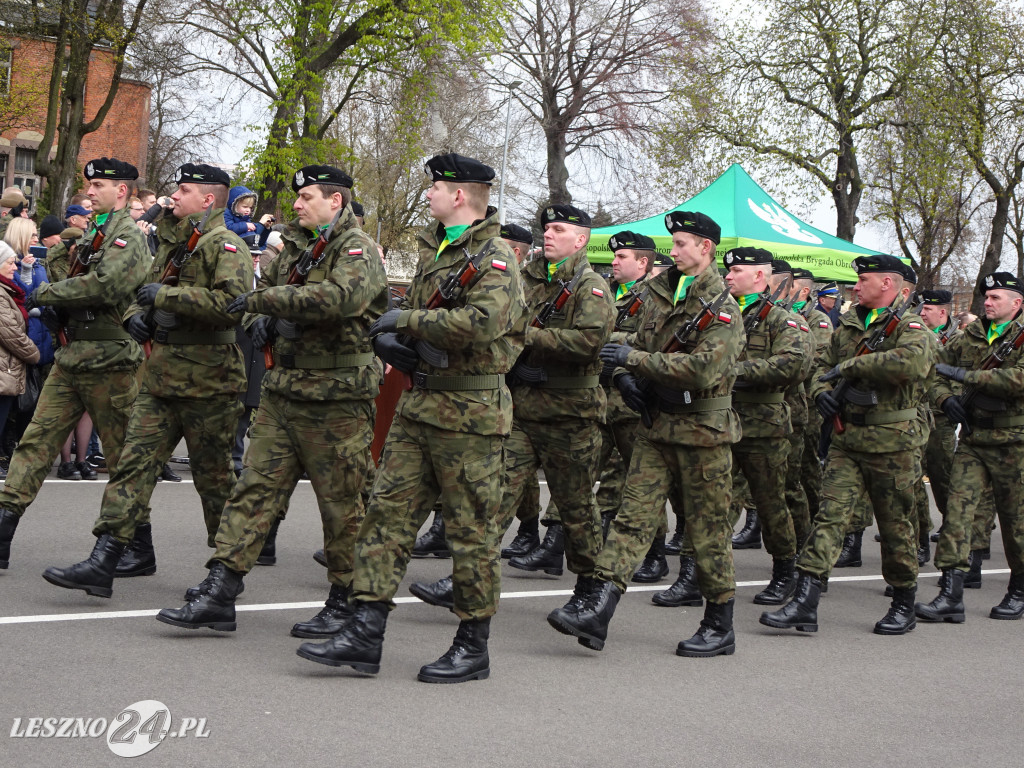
[
  {"x": 936, "y": 298},
  {"x": 453, "y": 167},
  {"x": 780, "y": 267},
  {"x": 357, "y": 209},
  {"x": 49, "y": 226},
  {"x": 799, "y": 273},
  {"x": 320, "y": 174},
  {"x": 664, "y": 261},
  {"x": 743, "y": 256},
  {"x": 200, "y": 173},
  {"x": 516, "y": 234},
  {"x": 1006, "y": 280},
  {"x": 111, "y": 168},
  {"x": 570, "y": 214},
  {"x": 877, "y": 262},
  {"x": 627, "y": 239},
  {"x": 829, "y": 289},
  {"x": 909, "y": 274},
  {"x": 694, "y": 223}
]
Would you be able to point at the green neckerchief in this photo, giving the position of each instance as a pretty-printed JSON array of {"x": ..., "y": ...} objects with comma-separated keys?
[
  {"x": 623, "y": 289},
  {"x": 552, "y": 268},
  {"x": 747, "y": 300},
  {"x": 872, "y": 316},
  {"x": 451, "y": 234},
  {"x": 101, "y": 219},
  {"x": 798, "y": 305},
  {"x": 683, "y": 287},
  {"x": 938, "y": 329},
  {"x": 995, "y": 331}
]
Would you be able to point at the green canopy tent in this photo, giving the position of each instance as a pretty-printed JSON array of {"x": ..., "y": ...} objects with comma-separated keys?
[{"x": 748, "y": 216}]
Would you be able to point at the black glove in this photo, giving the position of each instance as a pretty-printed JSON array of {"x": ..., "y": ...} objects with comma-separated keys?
[
  {"x": 827, "y": 405},
  {"x": 391, "y": 350},
  {"x": 138, "y": 329},
  {"x": 238, "y": 304},
  {"x": 631, "y": 394},
  {"x": 954, "y": 410},
  {"x": 30, "y": 301},
  {"x": 146, "y": 295},
  {"x": 615, "y": 354},
  {"x": 49, "y": 318},
  {"x": 951, "y": 372},
  {"x": 263, "y": 330},
  {"x": 830, "y": 375},
  {"x": 386, "y": 323}
]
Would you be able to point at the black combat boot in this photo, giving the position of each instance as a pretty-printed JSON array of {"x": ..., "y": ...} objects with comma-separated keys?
[
  {"x": 432, "y": 542},
  {"x": 973, "y": 578},
  {"x": 949, "y": 605},
  {"x": 800, "y": 613},
  {"x": 8, "y": 524},
  {"x": 441, "y": 593},
  {"x": 584, "y": 586},
  {"x": 590, "y": 623},
  {"x": 749, "y": 536},
  {"x": 95, "y": 574},
  {"x": 783, "y": 583},
  {"x": 320, "y": 557},
  {"x": 527, "y": 539},
  {"x": 1012, "y": 605},
  {"x": 685, "y": 590},
  {"x": 332, "y": 616},
  {"x": 193, "y": 592},
  {"x": 213, "y": 608},
  {"x": 900, "y": 618},
  {"x": 714, "y": 637},
  {"x": 655, "y": 566},
  {"x": 548, "y": 556},
  {"x": 675, "y": 544},
  {"x": 849, "y": 557},
  {"x": 268, "y": 555},
  {"x": 139, "y": 558},
  {"x": 466, "y": 660},
  {"x": 357, "y": 645},
  {"x": 924, "y": 550}
]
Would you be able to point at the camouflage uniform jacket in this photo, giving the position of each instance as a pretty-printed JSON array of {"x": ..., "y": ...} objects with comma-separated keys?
[
  {"x": 474, "y": 332},
  {"x": 58, "y": 262},
  {"x": 796, "y": 394},
  {"x": 219, "y": 270},
  {"x": 821, "y": 332},
  {"x": 772, "y": 361},
  {"x": 102, "y": 291},
  {"x": 968, "y": 349},
  {"x": 622, "y": 333},
  {"x": 342, "y": 296},
  {"x": 568, "y": 346},
  {"x": 706, "y": 368},
  {"x": 897, "y": 373}
]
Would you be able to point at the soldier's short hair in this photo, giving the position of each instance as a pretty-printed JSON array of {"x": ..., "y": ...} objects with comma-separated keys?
[
  {"x": 478, "y": 195},
  {"x": 651, "y": 257},
  {"x": 329, "y": 189}
]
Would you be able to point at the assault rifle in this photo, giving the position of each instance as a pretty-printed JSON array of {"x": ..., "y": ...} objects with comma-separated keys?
[
  {"x": 759, "y": 313},
  {"x": 529, "y": 374},
  {"x": 951, "y": 327},
  {"x": 174, "y": 264},
  {"x": 309, "y": 259},
  {"x": 444, "y": 297},
  {"x": 872, "y": 343},
  {"x": 82, "y": 259},
  {"x": 995, "y": 359},
  {"x": 629, "y": 310}
]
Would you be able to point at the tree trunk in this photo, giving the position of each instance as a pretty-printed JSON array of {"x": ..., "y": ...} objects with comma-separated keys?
[
  {"x": 994, "y": 249},
  {"x": 558, "y": 174},
  {"x": 847, "y": 188}
]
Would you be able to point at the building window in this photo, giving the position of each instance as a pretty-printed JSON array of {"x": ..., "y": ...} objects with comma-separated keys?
[
  {"x": 5, "y": 71},
  {"x": 24, "y": 160}
]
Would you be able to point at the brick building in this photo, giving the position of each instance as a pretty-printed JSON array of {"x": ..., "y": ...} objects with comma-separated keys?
[{"x": 25, "y": 64}]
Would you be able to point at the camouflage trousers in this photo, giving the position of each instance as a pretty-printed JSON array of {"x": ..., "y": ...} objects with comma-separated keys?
[
  {"x": 703, "y": 477},
  {"x": 419, "y": 463},
  {"x": 106, "y": 395},
  {"x": 938, "y": 460},
  {"x": 810, "y": 465},
  {"x": 980, "y": 471},
  {"x": 763, "y": 462},
  {"x": 156, "y": 425},
  {"x": 796, "y": 496},
  {"x": 331, "y": 442},
  {"x": 889, "y": 479},
  {"x": 567, "y": 450}
]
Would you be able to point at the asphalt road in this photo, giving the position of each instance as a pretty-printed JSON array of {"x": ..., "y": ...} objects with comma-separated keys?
[{"x": 944, "y": 695}]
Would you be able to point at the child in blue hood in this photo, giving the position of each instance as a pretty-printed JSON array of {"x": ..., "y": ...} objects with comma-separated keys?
[{"x": 238, "y": 218}]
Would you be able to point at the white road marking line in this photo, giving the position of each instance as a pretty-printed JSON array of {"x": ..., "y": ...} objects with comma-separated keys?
[{"x": 45, "y": 618}]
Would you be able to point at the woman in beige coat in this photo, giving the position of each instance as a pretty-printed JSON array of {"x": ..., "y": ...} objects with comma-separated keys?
[{"x": 16, "y": 348}]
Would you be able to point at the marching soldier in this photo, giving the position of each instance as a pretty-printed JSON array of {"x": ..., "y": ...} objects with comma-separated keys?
[
  {"x": 991, "y": 451},
  {"x": 772, "y": 362},
  {"x": 314, "y": 305},
  {"x": 447, "y": 436},
  {"x": 688, "y": 441},
  {"x": 189, "y": 384},
  {"x": 876, "y": 448},
  {"x": 95, "y": 368}
]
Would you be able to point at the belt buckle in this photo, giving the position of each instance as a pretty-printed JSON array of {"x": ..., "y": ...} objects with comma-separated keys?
[
  {"x": 160, "y": 335},
  {"x": 419, "y": 379},
  {"x": 686, "y": 397}
]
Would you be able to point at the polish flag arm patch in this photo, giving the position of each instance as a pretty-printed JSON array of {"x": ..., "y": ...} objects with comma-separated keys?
[
  {"x": 822, "y": 324},
  {"x": 355, "y": 252},
  {"x": 499, "y": 264},
  {"x": 725, "y": 317},
  {"x": 597, "y": 292},
  {"x": 792, "y": 324},
  {"x": 230, "y": 247},
  {"x": 120, "y": 243},
  {"x": 915, "y": 326}
]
